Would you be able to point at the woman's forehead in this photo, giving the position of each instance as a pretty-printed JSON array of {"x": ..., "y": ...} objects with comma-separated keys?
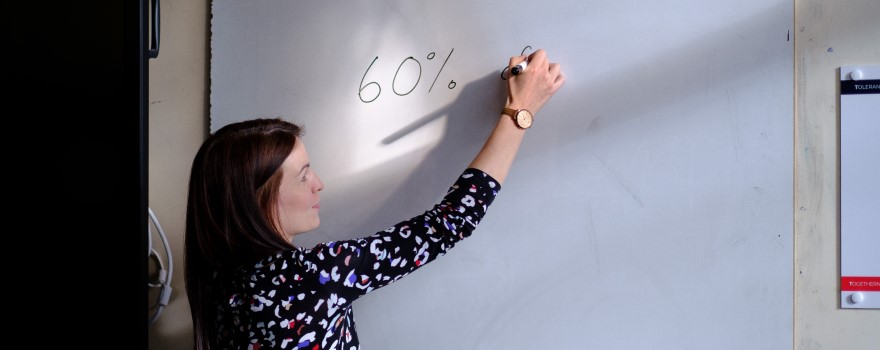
[{"x": 298, "y": 158}]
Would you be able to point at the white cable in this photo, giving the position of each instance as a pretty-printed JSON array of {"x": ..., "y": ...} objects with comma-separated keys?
[
  {"x": 162, "y": 273},
  {"x": 150, "y": 249},
  {"x": 164, "y": 278}
]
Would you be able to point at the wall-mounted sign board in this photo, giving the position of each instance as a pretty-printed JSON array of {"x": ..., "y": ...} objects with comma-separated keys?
[{"x": 859, "y": 188}]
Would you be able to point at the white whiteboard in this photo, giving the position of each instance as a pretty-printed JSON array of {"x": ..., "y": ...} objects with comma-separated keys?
[{"x": 650, "y": 206}]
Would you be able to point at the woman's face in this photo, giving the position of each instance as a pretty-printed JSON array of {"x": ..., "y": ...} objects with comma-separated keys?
[{"x": 298, "y": 196}]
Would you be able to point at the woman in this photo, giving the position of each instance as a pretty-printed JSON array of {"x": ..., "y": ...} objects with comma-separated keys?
[{"x": 252, "y": 190}]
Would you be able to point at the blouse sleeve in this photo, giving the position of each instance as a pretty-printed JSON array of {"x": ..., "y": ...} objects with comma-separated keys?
[{"x": 355, "y": 267}]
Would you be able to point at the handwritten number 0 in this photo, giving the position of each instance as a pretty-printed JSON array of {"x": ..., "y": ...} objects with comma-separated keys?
[{"x": 398, "y": 71}]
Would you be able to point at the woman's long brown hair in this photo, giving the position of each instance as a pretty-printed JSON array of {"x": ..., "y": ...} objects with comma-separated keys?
[{"x": 230, "y": 215}]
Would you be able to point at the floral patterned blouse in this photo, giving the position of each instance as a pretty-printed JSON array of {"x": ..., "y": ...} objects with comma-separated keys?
[{"x": 301, "y": 299}]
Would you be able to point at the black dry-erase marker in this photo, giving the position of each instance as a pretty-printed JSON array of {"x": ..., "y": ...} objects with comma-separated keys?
[{"x": 518, "y": 69}]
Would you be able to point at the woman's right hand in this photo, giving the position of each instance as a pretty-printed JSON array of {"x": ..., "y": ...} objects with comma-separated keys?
[{"x": 532, "y": 88}]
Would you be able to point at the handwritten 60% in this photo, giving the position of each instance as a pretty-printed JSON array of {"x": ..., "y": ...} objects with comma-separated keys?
[{"x": 394, "y": 87}]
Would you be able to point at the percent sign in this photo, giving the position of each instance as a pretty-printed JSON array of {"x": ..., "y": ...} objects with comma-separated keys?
[{"x": 431, "y": 56}]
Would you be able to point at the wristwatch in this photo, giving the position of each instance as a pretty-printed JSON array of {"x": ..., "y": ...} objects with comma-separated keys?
[{"x": 521, "y": 117}]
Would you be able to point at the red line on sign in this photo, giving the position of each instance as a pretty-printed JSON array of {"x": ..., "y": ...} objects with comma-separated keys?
[{"x": 860, "y": 283}]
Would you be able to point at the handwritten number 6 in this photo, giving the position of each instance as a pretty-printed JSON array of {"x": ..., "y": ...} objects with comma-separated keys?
[{"x": 362, "y": 87}]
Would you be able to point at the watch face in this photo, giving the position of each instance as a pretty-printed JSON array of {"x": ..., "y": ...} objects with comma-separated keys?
[{"x": 524, "y": 119}]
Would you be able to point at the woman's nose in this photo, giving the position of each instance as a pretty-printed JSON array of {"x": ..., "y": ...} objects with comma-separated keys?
[{"x": 320, "y": 184}]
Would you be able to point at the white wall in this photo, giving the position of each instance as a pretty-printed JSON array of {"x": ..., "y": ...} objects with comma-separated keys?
[
  {"x": 829, "y": 34},
  {"x": 178, "y": 123}
]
